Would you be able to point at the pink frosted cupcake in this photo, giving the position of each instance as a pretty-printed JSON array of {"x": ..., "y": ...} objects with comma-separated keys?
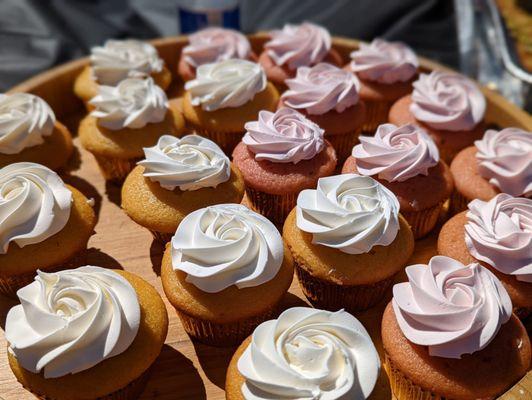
[
  {"x": 328, "y": 96},
  {"x": 500, "y": 162},
  {"x": 386, "y": 71},
  {"x": 449, "y": 106},
  {"x": 211, "y": 45},
  {"x": 296, "y": 46},
  {"x": 281, "y": 154},
  {"x": 406, "y": 160}
]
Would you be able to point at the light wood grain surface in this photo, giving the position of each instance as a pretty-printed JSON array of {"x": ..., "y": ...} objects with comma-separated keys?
[{"x": 185, "y": 370}]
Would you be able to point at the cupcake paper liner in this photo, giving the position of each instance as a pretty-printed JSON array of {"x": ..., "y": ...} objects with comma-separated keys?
[
  {"x": 223, "y": 335},
  {"x": 162, "y": 237},
  {"x": 458, "y": 203},
  {"x": 9, "y": 285},
  {"x": 424, "y": 221},
  {"x": 403, "y": 388},
  {"x": 226, "y": 140},
  {"x": 343, "y": 144},
  {"x": 376, "y": 114},
  {"x": 275, "y": 207},
  {"x": 115, "y": 169},
  {"x": 332, "y": 297}
]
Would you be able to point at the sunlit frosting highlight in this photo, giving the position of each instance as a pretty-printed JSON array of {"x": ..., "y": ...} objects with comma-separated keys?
[
  {"x": 396, "y": 153},
  {"x": 69, "y": 321},
  {"x": 225, "y": 84},
  {"x": 309, "y": 354},
  {"x": 499, "y": 232},
  {"x": 505, "y": 159},
  {"x": 349, "y": 212},
  {"x": 34, "y": 204},
  {"x": 384, "y": 62},
  {"x": 452, "y": 308},
  {"x": 225, "y": 245},
  {"x": 285, "y": 136},
  {"x": 298, "y": 45},
  {"x": 189, "y": 163},
  {"x": 25, "y": 120}
]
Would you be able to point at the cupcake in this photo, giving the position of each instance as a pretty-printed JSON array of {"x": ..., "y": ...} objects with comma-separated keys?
[
  {"x": 449, "y": 333},
  {"x": 500, "y": 162},
  {"x": 348, "y": 241},
  {"x": 281, "y": 154},
  {"x": 498, "y": 235},
  {"x": 30, "y": 132},
  {"x": 211, "y": 45},
  {"x": 225, "y": 272},
  {"x": 328, "y": 96},
  {"x": 117, "y": 60},
  {"x": 179, "y": 176},
  {"x": 85, "y": 333},
  {"x": 406, "y": 160},
  {"x": 45, "y": 224},
  {"x": 449, "y": 106},
  {"x": 127, "y": 118},
  {"x": 223, "y": 97},
  {"x": 305, "y": 354},
  {"x": 386, "y": 71},
  {"x": 296, "y": 46}
]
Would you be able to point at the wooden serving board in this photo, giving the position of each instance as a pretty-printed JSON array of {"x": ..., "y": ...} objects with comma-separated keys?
[{"x": 187, "y": 370}]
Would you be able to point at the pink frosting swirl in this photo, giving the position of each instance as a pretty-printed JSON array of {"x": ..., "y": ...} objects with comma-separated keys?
[
  {"x": 285, "y": 136},
  {"x": 447, "y": 101},
  {"x": 396, "y": 153},
  {"x": 211, "y": 45},
  {"x": 452, "y": 308},
  {"x": 299, "y": 45},
  {"x": 505, "y": 159},
  {"x": 321, "y": 88},
  {"x": 384, "y": 62},
  {"x": 499, "y": 232}
]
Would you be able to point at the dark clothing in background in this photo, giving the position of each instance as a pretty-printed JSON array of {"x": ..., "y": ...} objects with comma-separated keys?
[{"x": 38, "y": 34}]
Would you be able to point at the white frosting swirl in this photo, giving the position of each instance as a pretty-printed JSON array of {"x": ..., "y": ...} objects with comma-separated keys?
[
  {"x": 225, "y": 84},
  {"x": 34, "y": 204},
  {"x": 227, "y": 244},
  {"x": 133, "y": 103},
  {"x": 71, "y": 320},
  {"x": 189, "y": 163},
  {"x": 24, "y": 120},
  {"x": 310, "y": 354},
  {"x": 117, "y": 60},
  {"x": 505, "y": 159},
  {"x": 499, "y": 232},
  {"x": 349, "y": 212}
]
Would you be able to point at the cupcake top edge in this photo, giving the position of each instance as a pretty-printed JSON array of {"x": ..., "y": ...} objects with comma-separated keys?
[
  {"x": 34, "y": 204},
  {"x": 284, "y": 136},
  {"x": 224, "y": 245},
  {"x": 25, "y": 120},
  {"x": 349, "y": 212},
  {"x": 452, "y": 308},
  {"x": 71, "y": 320},
  {"x": 309, "y": 353},
  {"x": 188, "y": 163}
]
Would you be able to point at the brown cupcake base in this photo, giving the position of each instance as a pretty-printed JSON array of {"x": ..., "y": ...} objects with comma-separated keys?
[
  {"x": 223, "y": 335},
  {"x": 275, "y": 207},
  {"x": 226, "y": 140},
  {"x": 376, "y": 114},
  {"x": 343, "y": 144},
  {"x": 458, "y": 202},
  {"x": 403, "y": 388},
  {"x": 422, "y": 222},
  {"x": 115, "y": 169},
  {"x": 332, "y": 297}
]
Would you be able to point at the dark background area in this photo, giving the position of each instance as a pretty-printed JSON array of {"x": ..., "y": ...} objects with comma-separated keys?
[{"x": 38, "y": 34}]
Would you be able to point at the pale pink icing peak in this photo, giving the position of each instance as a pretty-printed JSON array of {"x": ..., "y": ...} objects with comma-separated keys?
[
  {"x": 384, "y": 62},
  {"x": 299, "y": 45},
  {"x": 396, "y": 153},
  {"x": 499, "y": 232},
  {"x": 505, "y": 159},
  {"x": 321, "y": 88},
  {"x": 447, "y": 101},
  {"x": 215, "y": 44},
  {"x": 285, "y": 136},
  {"x": 452, "y": 308}
]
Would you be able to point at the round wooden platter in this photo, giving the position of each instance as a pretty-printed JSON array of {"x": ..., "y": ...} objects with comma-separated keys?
[{"x": 185, "y": 369}]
